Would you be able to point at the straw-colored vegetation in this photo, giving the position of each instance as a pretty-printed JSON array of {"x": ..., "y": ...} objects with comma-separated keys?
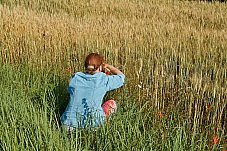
[{"x": 173, "y": 53}]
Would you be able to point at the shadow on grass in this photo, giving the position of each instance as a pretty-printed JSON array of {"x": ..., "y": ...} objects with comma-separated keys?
[
  {"x": 62, "y": 97},
  {"x": 52, "y": 94}
]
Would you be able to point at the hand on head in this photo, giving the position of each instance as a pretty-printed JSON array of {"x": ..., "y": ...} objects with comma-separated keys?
[{"x": 96, "y": 63}]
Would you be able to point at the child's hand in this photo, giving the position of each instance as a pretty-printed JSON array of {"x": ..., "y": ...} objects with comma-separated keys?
[
  {"x": 107, "y": 71},
  {"x": 112, "y": 69}
]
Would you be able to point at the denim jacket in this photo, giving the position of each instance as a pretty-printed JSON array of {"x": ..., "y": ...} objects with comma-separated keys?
[{"x": 86, "y": 95}]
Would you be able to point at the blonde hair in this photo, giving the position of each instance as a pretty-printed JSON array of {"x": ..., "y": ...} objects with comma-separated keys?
[{"x": 92, "y": 62}]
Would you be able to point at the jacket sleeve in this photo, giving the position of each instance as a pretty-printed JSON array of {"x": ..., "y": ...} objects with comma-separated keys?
[
  {"x": 115, "y": 81},
  {"x": 72, "y": 84}
]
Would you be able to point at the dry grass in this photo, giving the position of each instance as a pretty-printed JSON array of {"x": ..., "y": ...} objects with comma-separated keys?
[{"x": 176, "y": 51}]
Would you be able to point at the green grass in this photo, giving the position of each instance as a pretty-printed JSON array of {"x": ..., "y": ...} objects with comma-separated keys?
[
  {"x": 31, "y": 103},
  {"x": 173, "y": 53}
]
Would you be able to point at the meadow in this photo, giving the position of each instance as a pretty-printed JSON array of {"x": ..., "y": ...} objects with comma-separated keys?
[{"x": 173, "y": 53}]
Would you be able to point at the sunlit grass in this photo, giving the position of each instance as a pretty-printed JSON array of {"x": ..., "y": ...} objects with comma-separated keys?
[{"x": 174, "y": 55}]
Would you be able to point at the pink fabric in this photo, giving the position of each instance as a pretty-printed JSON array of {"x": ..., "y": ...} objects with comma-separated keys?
[{"x": 109, "y": 107}]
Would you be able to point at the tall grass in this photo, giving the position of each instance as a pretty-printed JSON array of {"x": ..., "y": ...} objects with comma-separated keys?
[{"x": 173, "y": 53}]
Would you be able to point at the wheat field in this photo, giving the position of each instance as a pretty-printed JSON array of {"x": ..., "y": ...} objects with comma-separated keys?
[{"x": 173, "y": 53}]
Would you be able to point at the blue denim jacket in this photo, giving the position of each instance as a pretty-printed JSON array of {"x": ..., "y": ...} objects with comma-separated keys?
[{"x": 86, "y": 95}]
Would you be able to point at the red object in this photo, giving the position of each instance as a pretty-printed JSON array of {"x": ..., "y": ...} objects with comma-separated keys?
[
  {"x": 109, "y": 107},
  {"x": 107, "y": 71},
  {"x": 161, "y": 115},
  {"x": 69, "y": 69},
  {"x": 208, "y": 106},
  {"x": 215, "y": 140}
]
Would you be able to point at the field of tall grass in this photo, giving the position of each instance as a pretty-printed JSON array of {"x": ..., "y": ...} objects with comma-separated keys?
[{"x": 173, "y": 53}]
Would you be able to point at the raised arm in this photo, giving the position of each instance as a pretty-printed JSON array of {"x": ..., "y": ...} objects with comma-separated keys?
[{"x": 113, "y": 69}]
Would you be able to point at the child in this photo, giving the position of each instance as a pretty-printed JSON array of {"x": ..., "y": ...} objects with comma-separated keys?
[{"x": 87, "y": 90}]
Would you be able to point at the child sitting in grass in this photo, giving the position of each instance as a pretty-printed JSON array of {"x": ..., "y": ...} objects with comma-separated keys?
[{"x": 87, "y": 90}]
